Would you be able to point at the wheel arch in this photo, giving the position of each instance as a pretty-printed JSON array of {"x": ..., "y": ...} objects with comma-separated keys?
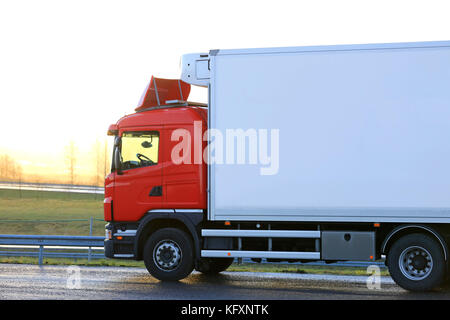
[
  {"x": 155, "y": 221},
  {"x": 403, "y": 230}
]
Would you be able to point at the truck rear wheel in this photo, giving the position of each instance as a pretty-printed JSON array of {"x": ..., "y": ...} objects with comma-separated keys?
[
  {"x": 214, "y": 265},
  {"x": 416, "y": 263},
  {"x": 168, "y": 254}
]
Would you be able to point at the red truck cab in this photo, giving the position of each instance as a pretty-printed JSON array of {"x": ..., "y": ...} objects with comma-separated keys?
[
  {"x": 148, "y": 179},
  {"x": 147, "y": 191}
]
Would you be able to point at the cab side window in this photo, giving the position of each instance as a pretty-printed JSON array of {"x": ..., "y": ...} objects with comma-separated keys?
[{"x": 139, "y": 149}]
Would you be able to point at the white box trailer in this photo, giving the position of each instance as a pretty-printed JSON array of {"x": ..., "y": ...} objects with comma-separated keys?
[
  {"x": 363, "y": 130},
  {"x": 358, "y": 167}
]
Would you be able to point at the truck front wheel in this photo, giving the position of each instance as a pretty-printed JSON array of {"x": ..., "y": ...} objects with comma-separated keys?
[
  {"x": 214, "y": 265},
  {"x": 168, "y": 254},
  {"x": 416, "y": 263}
]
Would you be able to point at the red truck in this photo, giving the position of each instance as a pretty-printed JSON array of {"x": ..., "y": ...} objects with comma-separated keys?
[
  {"x": 332, "y": 153},
  {"x": 147, "y": 195}
]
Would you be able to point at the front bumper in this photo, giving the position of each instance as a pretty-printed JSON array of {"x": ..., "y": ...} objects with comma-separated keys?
[
  {"x": 119, "y": 244},
  {"x": 109, "y": 248}
]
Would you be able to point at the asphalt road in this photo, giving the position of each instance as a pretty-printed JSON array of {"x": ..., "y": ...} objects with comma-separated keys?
[{"x": 18, "y": 281}]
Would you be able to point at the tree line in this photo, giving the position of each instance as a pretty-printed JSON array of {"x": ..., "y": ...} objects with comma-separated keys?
[
  {"x": 100, "y": 162},
  {"x": 10, "y": 169}
]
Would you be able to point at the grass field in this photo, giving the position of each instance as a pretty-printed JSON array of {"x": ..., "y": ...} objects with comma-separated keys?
[{"x": 20, "y": 210}]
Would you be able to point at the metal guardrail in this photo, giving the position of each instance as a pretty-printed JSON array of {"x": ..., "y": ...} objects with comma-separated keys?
[
  {"x": 53, "y": 244},
  {"x": 57, "y": 247},
  {"x": 13, "y": 185}
]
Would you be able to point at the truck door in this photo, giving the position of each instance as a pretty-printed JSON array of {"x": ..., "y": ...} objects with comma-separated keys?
[
  {"x": 138, "y": 187},
  {"x": 184, "y": 184}
]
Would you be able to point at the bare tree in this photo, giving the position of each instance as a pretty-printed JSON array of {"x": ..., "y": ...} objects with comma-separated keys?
[
  {"x": 2, "y": 167},
  {"x": 5, "y": 167},
  {"x": 19, "y": 178},
  {"x": 98, "y": 160},
  {"x": 10, "y": 170},
  {"x": 106, "y": 159},
  {"x": 71, "y": 160},
  {"x": 101, "y": 162}
]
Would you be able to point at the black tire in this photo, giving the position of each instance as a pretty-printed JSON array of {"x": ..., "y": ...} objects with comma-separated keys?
[
  {"x": 214, "y": 265},
  {"x": 416, "y": 262},
  {"x": 168, "y": 254}
]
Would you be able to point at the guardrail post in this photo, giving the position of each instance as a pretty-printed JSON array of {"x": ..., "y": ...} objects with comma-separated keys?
[
  {"x": 90, "y": 233},
  {"x": 41, "y": 255}
]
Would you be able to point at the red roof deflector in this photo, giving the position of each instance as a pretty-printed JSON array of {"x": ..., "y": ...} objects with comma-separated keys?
[{"x": 161, "y": 92}]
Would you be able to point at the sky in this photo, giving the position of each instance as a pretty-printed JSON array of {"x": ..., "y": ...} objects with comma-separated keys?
[{"x": 68, "y": 69}]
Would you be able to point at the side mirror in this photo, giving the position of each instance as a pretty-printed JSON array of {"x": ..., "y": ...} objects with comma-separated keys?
[
  {"x": 146, "y": 144},
  {"x": 117, "y": 141},
  {"x": 117, "y": 160}
]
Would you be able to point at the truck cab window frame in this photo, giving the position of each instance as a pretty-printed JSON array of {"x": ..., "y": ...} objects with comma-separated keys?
[{"x": 138, "y": 149}]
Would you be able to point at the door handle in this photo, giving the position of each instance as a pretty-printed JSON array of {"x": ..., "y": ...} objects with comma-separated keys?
[{"x": 156, "y": 191}]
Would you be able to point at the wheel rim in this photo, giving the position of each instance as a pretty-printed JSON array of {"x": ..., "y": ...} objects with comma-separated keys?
[
  {"x": 416, "y": 263},
  {"x": 167, "y": 255}
]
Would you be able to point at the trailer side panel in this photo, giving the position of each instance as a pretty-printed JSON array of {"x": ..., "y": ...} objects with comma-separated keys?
[{"x": 363, "y": 134}]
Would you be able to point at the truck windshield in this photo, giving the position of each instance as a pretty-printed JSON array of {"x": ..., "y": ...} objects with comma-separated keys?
[{"x": 139, "y": 149}]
